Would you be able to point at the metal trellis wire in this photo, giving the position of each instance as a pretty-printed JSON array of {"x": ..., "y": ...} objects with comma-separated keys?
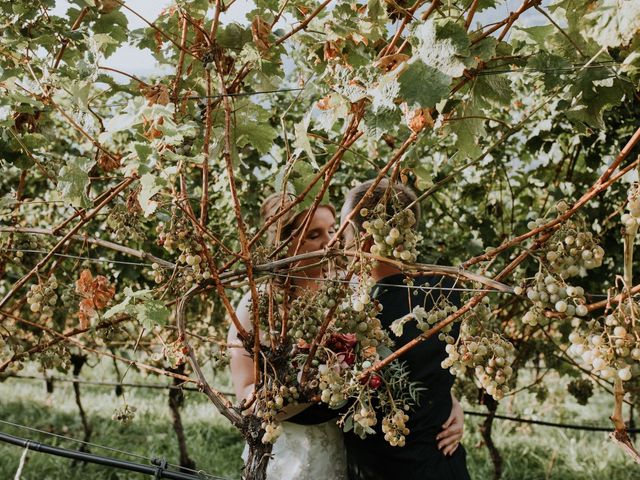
[
  {"x": 80, "y": 381},
  {"x": 277, "y": 274},
  {"x": 567, "y": 426},
  {"x": 543, "y": 423}
]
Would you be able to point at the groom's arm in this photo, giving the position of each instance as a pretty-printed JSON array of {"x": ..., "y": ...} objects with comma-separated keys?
[{"x": 452, "y": 430}]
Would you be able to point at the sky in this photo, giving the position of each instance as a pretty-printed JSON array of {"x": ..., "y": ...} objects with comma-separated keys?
[{"x": 141, "y": 62}]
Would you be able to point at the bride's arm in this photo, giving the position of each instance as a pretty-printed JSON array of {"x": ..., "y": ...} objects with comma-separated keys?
[{"x": 241, "y": 362}]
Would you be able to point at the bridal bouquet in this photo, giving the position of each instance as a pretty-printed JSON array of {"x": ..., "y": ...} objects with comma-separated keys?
[{"x": 331, "y": 337}]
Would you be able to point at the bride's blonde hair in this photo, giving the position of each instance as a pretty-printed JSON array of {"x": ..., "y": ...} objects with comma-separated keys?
[{"x": 275, "y": 203}]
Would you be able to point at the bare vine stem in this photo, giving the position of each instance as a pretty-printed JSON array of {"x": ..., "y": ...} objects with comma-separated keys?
[
  {"x": 304, "y": 23},
  {"x": 221, "y": 402}
]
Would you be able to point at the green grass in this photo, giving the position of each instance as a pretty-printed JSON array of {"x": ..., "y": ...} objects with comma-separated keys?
[
  {"x": 212, "y": 443},
  {"x": 529, "y": 452}
]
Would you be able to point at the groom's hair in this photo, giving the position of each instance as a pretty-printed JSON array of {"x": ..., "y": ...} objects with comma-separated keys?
[{"x": 396, "y": 195}]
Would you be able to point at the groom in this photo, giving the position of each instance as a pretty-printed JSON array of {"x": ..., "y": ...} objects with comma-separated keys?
[{"x": 432, "y": 449}]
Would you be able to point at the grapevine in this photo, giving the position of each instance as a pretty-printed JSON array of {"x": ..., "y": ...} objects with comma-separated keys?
[{"x": 144, "y": 191}]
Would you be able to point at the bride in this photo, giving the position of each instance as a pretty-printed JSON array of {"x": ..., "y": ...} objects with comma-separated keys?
[{"x": 307, "y": 430}]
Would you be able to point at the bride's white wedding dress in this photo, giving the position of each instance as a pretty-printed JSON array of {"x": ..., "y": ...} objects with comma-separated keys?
[{"x": 307, "y": 452}]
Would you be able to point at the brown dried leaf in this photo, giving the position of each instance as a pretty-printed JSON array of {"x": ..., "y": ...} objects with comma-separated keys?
[
  {"x": 149, "y": 128},
  {"x": 132, "y": 203},
  {"x": 26, "y": 122},
  {"x": 390, "y": 62},
  {"x": 200, "y": 44},
  {"x": 109, "y": 163},
  {"x": 260, "y": 31},
  {"x": 331, "y": 50},
  {"x": 96, "y": 294},
  {"x": 369, "y": 352},
  {"x": 324, "y": 103},
  {"x": 156, "y": 94},
  {"x": 107, "y": 6},
  {"x": 419, "y": 119},
  {"x": 157, "y": 36}
]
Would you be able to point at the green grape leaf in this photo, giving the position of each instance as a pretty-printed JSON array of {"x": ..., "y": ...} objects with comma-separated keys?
[
  {"x": 74, "y": 180},
  {"x": 253, "y": 128},
  {"x": 376, "y": 124},
  {"x": 613, "y": 23},
  {"x": 234, "y": 36},
  {"x": 301, "y": 141},
  {"x": 492, "y": 90},
  {"x": 150, "y": 186},
  {"x": 549, "y": 65},
  {"x": 122, "y": 307},
  {"x": 442, "y": 45},
  {"x": 596, "y": 91},
  {"x": 468, "y": 129},
  {"x": 538, "y": 34},
  {"x": 485, "y": 49},
  {"x": 151, "y": 312},
  {"x": 142, "y": 306},
  {"x": 423, "y": 85}
]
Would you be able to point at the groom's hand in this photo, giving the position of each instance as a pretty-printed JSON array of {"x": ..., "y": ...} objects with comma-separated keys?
[{"x": 452, "y": 430}]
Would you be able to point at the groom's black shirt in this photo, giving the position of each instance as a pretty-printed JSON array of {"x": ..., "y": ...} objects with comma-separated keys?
[{"x": 373, "y": 458}]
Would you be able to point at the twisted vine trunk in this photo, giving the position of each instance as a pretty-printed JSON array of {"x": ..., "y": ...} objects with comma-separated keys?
[
  {"x": 255, "y": 467},
  {"x": 485, "y": 431},
  {"x": 176, "y": 401}
]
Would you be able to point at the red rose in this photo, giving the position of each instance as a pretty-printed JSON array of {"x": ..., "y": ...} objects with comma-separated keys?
[
  {"x": 342, "y": 342},
  {"x": 347, "y": 357}
]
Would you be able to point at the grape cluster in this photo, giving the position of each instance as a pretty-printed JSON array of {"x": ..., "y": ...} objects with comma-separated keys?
[
  {"x": 489, "y": 357},
  {"x": 42, "y": 297},
  {"x": 425, "y": 320},
  {"x": 56, "y": 357},
  {"x": 271, "y": 400},
  {"x": 581, "y": 389},
  {"x": 124, "y": 223},
  {"x": 331, "y": 384},
  {"x": 365, "y": 417},
  {"x": 124, "y": 414},
  {"x": 551, "y": 293},
  {"x": 392, "y": 403},
  {"x": 208, "y": 60},
  {"x": 571, "y": 250},
  {"x": 305, "y": 318},
  {"x": 176, "y": 353},
  {"x": 186, "y": 148},
  {"x": 21, "y": 242},
  {"x": 393, "y": 236},
  {"x": 359, "y": 315},
  {"x": 178, "y": 237},
  {"x": 394, "y": 428},
  {"x": 158, "y": 273},
  {"x": 365, "y": 325},
  {"x": 610, "y": 348},
  {"x": 631, "y": 220},
  {"x": 348, "y": 348}
]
